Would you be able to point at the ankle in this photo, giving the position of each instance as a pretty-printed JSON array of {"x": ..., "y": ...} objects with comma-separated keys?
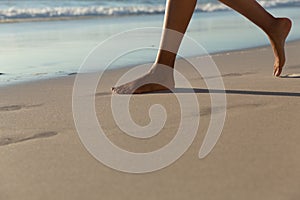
[
  {"x": 166, "y": 58},
  {"x": 277, "y": 27},
  {"x": 271, "y": 28}
]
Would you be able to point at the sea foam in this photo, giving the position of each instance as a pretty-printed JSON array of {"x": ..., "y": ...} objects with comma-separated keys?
[{"x": 50, "y": 12}]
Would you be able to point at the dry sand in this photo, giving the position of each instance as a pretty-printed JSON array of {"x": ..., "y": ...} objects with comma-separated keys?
[{"x": 257, "y": 156}]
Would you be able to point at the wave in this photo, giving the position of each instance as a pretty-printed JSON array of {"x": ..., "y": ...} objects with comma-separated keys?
[
  {"x": 18, "y": 14},
  {"x": 212, "y": 7}
]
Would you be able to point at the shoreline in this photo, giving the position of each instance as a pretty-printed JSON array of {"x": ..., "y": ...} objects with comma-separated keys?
[
  {"x": 221, "y": 53},
  {"x": 45, "y": 50}
]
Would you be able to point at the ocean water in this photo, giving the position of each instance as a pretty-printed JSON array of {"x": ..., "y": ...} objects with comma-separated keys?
[
  {"x": 14, "y": 10},
  {"x": 48, "y": 38}
]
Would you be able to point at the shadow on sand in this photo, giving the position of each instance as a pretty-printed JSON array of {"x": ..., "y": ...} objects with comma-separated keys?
[
  {"x": 240, "y": 92},
  {"x": 290, "y": 76}
]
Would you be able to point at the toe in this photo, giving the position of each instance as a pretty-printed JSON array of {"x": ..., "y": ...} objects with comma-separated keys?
[
  {"x": 115, "y": 90},
  {"x": 277, "y": 71}
]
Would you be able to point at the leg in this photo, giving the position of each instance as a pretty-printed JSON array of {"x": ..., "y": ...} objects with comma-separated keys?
[
  {"x": 277, "y": 29},
  {"x": 177, "y": 17}
]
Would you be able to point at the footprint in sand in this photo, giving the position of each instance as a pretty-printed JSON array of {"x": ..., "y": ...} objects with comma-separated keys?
[
  {"x": 16, "y": 139},
  {"x": 230, "y": 75},
  {"x": 11, "y": 108},
  {"x": 207, "y": 110},
  {"x": 236, "y": 74},
  {"x": 17, "y": 107}
]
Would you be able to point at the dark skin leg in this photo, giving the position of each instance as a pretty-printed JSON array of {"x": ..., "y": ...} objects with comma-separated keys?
[
  {"x": 277, "y": 29},
  {"x": 177, "y": 18}
]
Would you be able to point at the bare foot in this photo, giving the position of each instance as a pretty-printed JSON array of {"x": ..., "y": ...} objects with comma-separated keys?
[
  {"x": 157, "y": 79},
  {"x": 277, "y": 37}
]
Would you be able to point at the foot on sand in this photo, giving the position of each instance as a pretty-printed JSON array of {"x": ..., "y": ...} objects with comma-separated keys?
[
  {"x": 159, "y": 78},
  {"x": 277, "y": 35}
]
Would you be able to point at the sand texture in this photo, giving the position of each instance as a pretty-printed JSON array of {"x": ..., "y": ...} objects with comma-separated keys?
[{"x": 257, "y": 156}]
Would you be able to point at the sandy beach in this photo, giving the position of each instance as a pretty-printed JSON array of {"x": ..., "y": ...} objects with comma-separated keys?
[{"x": 256, "y": 157}]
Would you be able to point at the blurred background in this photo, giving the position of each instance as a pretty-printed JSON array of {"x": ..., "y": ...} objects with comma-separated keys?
[{"x": 50, "y": 38}]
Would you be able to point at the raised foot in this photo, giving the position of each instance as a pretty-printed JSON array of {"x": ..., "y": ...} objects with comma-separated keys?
[
  {"x": 277, "y": 35},
  {"x": 157, "y": 79}
]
